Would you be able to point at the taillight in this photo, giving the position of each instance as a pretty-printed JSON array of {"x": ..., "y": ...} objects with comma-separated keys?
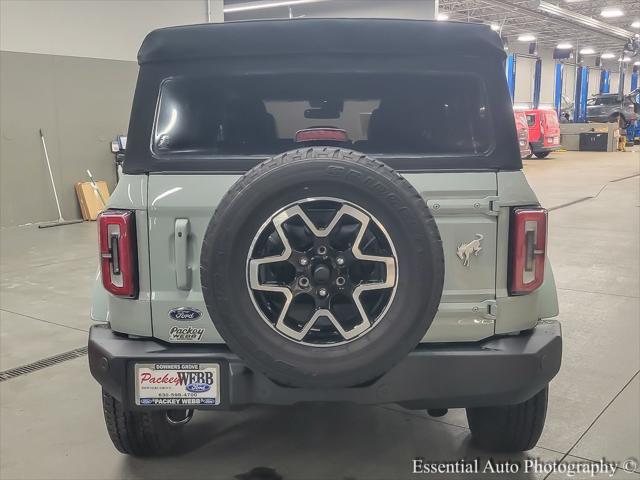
[
  {"x": 528, "y": 244},
  {"x": 118, "y": 262}
]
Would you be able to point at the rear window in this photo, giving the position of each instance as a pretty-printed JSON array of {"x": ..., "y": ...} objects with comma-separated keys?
[
  {"x": 551, "y": 119},
  {"x": 531, "y": 120},
  {"x": 613, "y": 100},
  {"x": 426, "y": 114}
]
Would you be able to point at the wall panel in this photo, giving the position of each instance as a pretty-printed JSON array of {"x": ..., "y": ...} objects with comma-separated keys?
[{"x": 81, "y": 104}]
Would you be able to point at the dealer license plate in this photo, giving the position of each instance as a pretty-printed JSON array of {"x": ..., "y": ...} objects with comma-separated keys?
[{"x": 180, "y": 384}]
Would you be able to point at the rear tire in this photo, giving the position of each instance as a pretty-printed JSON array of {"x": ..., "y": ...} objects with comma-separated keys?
[
  {"x": 619, "y": 119},
  {"x": 141, "y": 434},
  {"x": 542, "y": 154},
  {"x": 530, "y": 152},
  {"x": 509, "y": 428}
]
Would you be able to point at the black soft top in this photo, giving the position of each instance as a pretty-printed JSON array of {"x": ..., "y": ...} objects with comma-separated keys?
[
  {"x": 324, "y": 36},
  {"x": 319, "y": 45}
]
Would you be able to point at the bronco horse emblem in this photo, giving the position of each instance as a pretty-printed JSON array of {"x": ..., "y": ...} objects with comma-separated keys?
[{"x": 465, "y": 250}]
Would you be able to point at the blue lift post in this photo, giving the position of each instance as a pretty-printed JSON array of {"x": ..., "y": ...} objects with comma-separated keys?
[
  {"x": 537, "y": 81},
  {"x": 511, "y": 75},
  {"x": 621, "y": 80},
  {"x": 633, "y": 131},
  {"x": 557, "y": 97},
  {"x": 605, "y": 81},
  {"x": 582, "y": 92}
]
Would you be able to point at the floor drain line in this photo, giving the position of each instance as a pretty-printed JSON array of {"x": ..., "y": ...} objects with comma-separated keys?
[
  {"x": 584, "y": 199},
  {"x": 625, "y": 178},
  {"x": 44, "y": 363},
  {"x": 568, "y": 204}
]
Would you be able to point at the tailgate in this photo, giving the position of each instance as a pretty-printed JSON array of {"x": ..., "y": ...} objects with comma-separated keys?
[{"x": 464, "y": 206}]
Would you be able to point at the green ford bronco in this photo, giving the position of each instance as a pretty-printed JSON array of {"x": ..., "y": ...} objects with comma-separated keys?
[{"x": 323, "y": 211}]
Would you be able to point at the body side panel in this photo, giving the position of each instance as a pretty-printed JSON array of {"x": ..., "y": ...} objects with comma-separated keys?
[
  {"x": 181, "y": 197},
  {"x": 461, "y": 204}
]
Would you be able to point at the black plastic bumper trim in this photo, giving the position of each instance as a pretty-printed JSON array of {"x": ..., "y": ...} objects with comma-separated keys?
[
  {"x": 498, "y": 371},
  {"x": 537, "y": 147}
]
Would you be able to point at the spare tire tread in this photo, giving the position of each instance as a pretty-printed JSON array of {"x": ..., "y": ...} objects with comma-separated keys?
[{"x": 290, "y": 374}]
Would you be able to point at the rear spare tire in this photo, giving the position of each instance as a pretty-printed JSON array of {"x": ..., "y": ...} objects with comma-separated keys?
[{"x": 322, "y": 268}]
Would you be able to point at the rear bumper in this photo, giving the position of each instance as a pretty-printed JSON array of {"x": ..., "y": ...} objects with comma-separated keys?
[
  {"x": 498, "y": 371},
  {"x": 537, "y": 147}
]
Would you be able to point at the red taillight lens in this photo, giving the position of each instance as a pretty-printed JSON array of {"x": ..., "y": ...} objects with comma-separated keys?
[
  {"x": 528, "y": 245},
  {"x": 118, "y": 261}
]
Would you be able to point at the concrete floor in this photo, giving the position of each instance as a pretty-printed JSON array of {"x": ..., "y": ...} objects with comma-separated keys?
[{"x": 51, "y": 424}]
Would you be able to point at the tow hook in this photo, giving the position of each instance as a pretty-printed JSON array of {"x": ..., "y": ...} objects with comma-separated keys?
[{"x": 179, "y": 417}]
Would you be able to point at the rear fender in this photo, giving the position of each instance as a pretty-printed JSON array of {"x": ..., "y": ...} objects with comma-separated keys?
[
  {"x": 547, "y": 294},
  {"x": 517, "y": 313},
  {"x": 125, "y": 315}
]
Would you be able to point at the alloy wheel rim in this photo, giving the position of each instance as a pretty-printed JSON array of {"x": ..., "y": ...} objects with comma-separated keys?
[{"x": 322, "y": 271}]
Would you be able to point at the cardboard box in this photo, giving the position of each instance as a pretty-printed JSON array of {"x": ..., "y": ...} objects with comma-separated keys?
[{"x": 90, "y": 202}]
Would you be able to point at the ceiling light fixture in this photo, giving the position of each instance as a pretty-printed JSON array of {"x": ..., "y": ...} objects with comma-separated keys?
[
  {"x": 587, "y": 51},
  {"x": 607, "y": 55},
  {"x": 495, "y": 27},
  {"x": 637, "y": 63},
  {"x": 527, "y": 37},
  {"x": 636, "y": 24},
  {"x": 625, "y": 59},
  {"x": 260, "y": 6},
  {"x": 570, "y": 17},
  {"x": 564, "y": 46},
  {"x": 442, "y": 17},
  {"x": 611, "y": 12}
]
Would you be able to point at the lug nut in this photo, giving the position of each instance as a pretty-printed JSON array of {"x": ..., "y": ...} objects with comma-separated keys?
[
  {"x": 304, "y": 261},
  {"x": 340, "y": 281},
  {"x": 322, "y": 292},
  {"x": 322, "y": 250},
  {"x": 340, "y": 261},
  {"x": 303, "y": 282}
]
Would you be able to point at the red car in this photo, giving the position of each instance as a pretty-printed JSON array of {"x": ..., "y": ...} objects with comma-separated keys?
[
  {"x": 522, "y": 128},
  {"x": 544, "y": 131}
]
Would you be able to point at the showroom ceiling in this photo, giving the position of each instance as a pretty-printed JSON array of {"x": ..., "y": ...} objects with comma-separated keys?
[
  {"x": 578, "y": 23},
  {"x": 521, "y": 17}
]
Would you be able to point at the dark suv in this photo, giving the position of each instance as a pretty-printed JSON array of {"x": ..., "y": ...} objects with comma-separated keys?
[
  {"x": 611, "y": 107},
  {"x": 323, "y": 211}
]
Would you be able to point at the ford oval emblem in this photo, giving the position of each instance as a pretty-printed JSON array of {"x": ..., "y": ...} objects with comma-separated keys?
[
  {"x": 198, "y": 387},
  {"x": 185, "y": 314}
]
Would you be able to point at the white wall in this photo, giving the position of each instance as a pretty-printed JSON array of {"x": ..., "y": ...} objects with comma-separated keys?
[
  {"x": 525, "y": 68},
  {"x": 68, "y": 67},
  {"x": 415, "y": 9},
  {"x": 108, "y": 29}
]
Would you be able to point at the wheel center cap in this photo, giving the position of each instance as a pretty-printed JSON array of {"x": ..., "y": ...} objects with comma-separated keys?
[{"x": 322, "y": 274}]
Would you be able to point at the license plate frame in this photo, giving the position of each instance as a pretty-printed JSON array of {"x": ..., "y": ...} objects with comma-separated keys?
[{"x": 177, "y": 384}]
